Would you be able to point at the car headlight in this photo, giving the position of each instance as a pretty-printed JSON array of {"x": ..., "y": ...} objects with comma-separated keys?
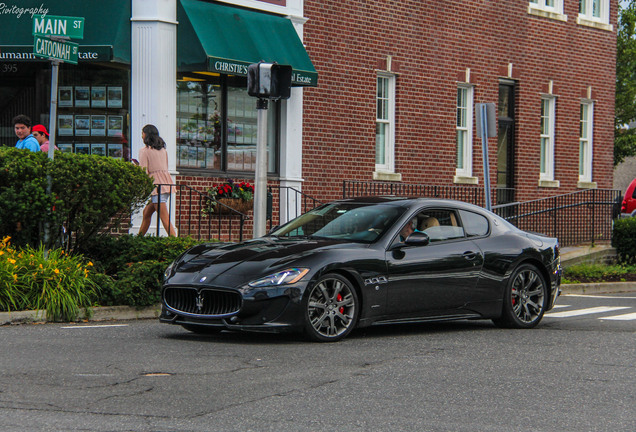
[
  {"x": 168, "y": 272},
  {"x": 285, "y": 277}
]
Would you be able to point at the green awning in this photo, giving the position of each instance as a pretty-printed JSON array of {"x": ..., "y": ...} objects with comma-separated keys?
[
  {"x": 106, "y": 28},
  {"x": 217, "y": 38}
]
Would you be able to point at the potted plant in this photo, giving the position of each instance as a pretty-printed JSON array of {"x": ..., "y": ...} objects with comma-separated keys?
[{"x": 232, "y": 195}]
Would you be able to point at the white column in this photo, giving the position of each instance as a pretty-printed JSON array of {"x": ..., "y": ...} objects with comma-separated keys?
[
  {"x": 153, "y": 79},
  {"x": 291, "y": 144}
]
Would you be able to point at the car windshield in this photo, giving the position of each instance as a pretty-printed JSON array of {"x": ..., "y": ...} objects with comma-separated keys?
[{"x": 359, "y": 222}]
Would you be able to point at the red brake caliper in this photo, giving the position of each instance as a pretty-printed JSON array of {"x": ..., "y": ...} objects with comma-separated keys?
[{"x": 339, "y": 298}]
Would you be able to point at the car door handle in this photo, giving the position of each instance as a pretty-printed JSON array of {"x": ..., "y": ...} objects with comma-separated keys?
[{"x": 470, "y": 255}]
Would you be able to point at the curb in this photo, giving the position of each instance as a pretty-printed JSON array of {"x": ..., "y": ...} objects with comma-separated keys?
[
  {"x": 598, "y": 288},
  {"x": 102, "y": 313}
]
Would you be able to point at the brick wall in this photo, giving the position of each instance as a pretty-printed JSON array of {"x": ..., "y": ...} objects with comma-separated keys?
[{"x": 431, "y": 44}]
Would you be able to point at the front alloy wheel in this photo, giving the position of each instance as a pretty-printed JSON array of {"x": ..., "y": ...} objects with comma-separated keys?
[
  {"x": 332, "y": 309},
  {"x": 525, "y": 299}
]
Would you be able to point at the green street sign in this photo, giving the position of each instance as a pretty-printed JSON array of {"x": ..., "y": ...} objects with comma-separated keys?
[
  {"x": 55, "y": 49},
  {"x": 62, "y": 26}
]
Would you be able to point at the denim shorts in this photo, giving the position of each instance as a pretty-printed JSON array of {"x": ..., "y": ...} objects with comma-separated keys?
[{"x": 164, "y": 198}]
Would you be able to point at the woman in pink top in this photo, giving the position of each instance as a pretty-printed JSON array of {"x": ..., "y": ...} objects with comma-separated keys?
[{"x": 154, "y": 159}]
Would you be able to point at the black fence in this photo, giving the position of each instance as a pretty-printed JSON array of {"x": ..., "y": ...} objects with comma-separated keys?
[
  {"x": 580, "y": 217},
  {"x": 286, "y": 203},
  {"x": 197, "y": 219}
]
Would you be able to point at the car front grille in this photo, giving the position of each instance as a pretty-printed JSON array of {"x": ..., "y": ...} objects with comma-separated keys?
[{"x": 208, "y": 302}]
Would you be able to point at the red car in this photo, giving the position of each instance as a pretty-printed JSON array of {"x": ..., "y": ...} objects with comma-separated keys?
[{"x": 629, "y": 201}]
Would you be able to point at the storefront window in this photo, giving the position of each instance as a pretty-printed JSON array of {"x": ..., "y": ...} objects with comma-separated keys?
[
  {"x": 92, "y": 106},
  {"x": 93, "y": 112},
  {"x": 217, "y": 125}
]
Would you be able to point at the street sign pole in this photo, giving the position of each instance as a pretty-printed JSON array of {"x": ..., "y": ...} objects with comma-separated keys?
[
  {"x": 486, "y": 117},
  {"x": 484, "y": 145},
  {"x": 50, "y": 40},
  {"x": 55, "y": 66}
]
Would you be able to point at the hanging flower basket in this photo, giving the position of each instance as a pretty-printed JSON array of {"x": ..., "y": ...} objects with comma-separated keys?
[
  {"x": 237, "y": 196},
  {"x": 237, "y": 204}
]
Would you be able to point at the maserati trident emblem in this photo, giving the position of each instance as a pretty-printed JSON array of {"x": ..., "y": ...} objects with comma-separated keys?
[{"x": 199, "y": 303}]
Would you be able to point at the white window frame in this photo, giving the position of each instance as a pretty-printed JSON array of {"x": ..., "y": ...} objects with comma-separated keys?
[
  {"x": 587, "y": 16},
  {"x": 586, "y": 134},
  {"x": 544, "y": 8},
  {"x": 546, "y": 142},
  {"x": 388, "y": 120},
  {"x": 465, "y": 155}
]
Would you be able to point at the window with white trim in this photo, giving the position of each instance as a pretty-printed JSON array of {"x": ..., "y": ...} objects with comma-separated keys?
[
  {"x": 547, "y": 138},
  {"x": 585, "y": 141},
  {"x": 594, "y": 10},
  {"x": 464, "y": 127},
  {"x": 554, "y": 6},
  {"x": 385, "y": 124}
]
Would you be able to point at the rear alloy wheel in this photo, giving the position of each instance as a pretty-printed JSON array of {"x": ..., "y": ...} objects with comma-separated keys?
[
  {"x": 332, "y": 309},
  {"x": 525, "y": 299}
]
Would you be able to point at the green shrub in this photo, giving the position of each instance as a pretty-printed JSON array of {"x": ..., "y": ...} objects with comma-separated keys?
[
  {"x": 596, "y": 272},
  {"x": 624, "y": 239},
  {"x": 87, "y": 193},
  {"x": 133, "y": 266},
  {"x": 45, "y": 280}
]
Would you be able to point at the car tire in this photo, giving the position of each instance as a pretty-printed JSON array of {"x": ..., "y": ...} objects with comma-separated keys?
[
  {"x": 331, "y": 309},
  {"x": 201, "y": 329},
  {"x": 525, "y": 299}
]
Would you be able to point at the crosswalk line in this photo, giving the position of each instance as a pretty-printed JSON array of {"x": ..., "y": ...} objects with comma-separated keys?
[
  {"x": 587, "y": 311},
  {"x": 625, "y": 317},
  {"x": 560, "y": 306}
]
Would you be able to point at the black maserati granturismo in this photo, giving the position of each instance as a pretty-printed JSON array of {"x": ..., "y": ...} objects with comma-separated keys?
[{"x": 360, "y": 262}]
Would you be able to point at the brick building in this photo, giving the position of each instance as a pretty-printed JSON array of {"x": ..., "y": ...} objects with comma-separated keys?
[
  {"x": 383, "y": 91},
  {"x": 550, "y": 70}
]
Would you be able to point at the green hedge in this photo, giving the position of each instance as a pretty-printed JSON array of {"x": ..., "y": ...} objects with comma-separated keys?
[
  {"x": 132, "y": 266},
  {"x": 87, "y": 193},
  {"x": 624, "y": 239}
]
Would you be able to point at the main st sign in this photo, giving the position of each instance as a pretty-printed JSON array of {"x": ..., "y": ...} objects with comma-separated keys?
[
  {"x": 50, "y": 34},
  {"x": 61, "y": 26}
]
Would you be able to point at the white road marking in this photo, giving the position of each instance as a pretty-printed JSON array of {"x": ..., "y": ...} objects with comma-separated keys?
[
  {"x": 560, "y": 306},
  {"x": 625, "y": 317},
  {"x": 94, "y": 326},
  {"x": 587, "y": 311},
  {"x": 598, "y": 296}
]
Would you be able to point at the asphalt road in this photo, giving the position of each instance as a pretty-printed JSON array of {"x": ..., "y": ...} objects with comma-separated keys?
[{"x": 574, "y": 372}]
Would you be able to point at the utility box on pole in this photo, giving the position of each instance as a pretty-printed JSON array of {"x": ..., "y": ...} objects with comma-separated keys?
[{"x": 266, "y": 81}]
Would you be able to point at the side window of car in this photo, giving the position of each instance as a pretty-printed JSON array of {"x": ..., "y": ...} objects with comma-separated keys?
[
  {"x": 439, "y": 224},
  {"x": 474, "y": 224}
]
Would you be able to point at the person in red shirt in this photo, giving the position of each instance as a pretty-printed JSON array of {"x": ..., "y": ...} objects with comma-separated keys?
[{"x": 40, "y": 133}]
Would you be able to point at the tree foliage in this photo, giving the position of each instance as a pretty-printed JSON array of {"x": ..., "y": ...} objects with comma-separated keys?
[{"x": 624, "y": 137}]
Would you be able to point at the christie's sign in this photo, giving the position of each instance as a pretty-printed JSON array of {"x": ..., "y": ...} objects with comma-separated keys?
[{"x": 237, "y": 68}]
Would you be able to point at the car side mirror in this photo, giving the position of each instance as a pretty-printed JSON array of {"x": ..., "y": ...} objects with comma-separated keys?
[{"x": 417, "y": 238}]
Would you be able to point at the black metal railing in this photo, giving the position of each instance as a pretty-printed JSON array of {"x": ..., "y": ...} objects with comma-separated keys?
[
  {"x": 197, "y": 219},
  {"x": 468, "y": 193},
  {"x": 291, "y": 203},
  {"x": 584, "y": 216},
  {"x": 580, "y": 217}
]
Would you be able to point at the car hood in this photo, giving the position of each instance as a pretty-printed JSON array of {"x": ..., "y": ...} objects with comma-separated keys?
[{"x": 237, "y": 264}]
